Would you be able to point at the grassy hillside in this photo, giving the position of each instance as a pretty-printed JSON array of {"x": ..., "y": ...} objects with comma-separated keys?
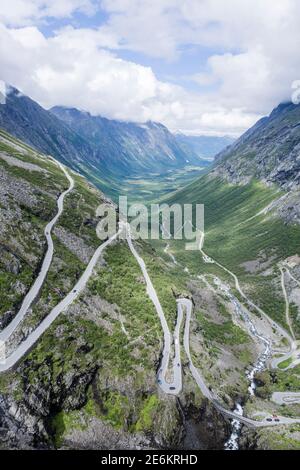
[{"x": 235, "y": 233}]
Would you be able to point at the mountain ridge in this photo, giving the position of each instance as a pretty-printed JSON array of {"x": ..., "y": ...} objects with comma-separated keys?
[
  {"x": 269, "y": 151},
  {"x": 109, "y": 153},
  {"x": 105, "y": 151},
  {"x": 135, "y": 146}
]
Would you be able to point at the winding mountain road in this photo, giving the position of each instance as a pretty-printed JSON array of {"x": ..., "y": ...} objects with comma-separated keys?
[
  {"x": 173, "y": 387},
  {"x": 294, "y": 354},
  {"x": 274, "y": 324},
  {"x": 286, "y": 398},
  {"x": 206, "y": 391},
  {"x": 25, "y": 346},
  {"x": 287, "y": 305},
  {"x": 29, "y": 342},
  {"x": 39, "y": 281}
]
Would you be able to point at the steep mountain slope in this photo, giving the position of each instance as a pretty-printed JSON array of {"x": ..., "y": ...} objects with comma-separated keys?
[
  {"x": 206, "y": 147},
  {"x": 252, "y": 203},
  {"x": 128, "y": 148},
  {"x": 269, "y": 151},
  {"x": 106, "y": 152},
  {"x": 28, "y": 121},
  {"x": 252, "y": 228}
]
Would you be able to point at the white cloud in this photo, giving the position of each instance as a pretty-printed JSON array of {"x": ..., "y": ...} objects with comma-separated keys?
[
  {"x": 26, "y": 12},
  {"x": 261, "y": 39},
  {"x": 243, "y": 80},
  {"x": 258, "y": 60},
  {"x": 296, "y": 92},
  {"x": 73, "y": 69},
  {"x": 152, "y": 27}
]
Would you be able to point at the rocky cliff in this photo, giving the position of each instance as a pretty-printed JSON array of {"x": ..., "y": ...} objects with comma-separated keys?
[{"x": 269, "y": 151}]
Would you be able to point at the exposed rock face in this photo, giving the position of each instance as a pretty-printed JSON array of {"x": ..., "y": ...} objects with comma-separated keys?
[
  {"x": 25, "y": 417},
  {"x": 204, "y": 427},
  {"x": 19, "y": 190},
  {"x": 18, "y": 428},
  {"x": 269, "y": 151},
  {"x": 75, "y": 244},
  {"x": 98, "y": 435},
  {"x": 288, "y": 208}
]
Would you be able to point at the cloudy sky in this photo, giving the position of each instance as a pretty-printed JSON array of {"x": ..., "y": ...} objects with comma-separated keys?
[{"x": 198, "y": 66}]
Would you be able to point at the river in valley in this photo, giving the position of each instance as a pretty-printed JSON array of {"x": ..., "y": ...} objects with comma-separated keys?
[{"x": 233, "y": 442}]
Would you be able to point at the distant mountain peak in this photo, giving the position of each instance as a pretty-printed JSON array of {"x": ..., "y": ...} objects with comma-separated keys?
[
  {"x": 281, "y": 108},
  {"x": 205, "y": 146}
]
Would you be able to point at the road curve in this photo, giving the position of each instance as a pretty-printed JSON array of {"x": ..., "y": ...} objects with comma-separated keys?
[
  {"x": 176, "y": 383},
  {"x": 294, "y": 353},
  {"x": 28, "y": 343},
  {"x": 39, "y": 281},
  {"x": 287, "y": 304},
  {"x": 206, "y": 391},
  {"x": 286, "y": 398},
  {"x": 279, "y": 328},
  {"x": 171, "y": 387}
]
